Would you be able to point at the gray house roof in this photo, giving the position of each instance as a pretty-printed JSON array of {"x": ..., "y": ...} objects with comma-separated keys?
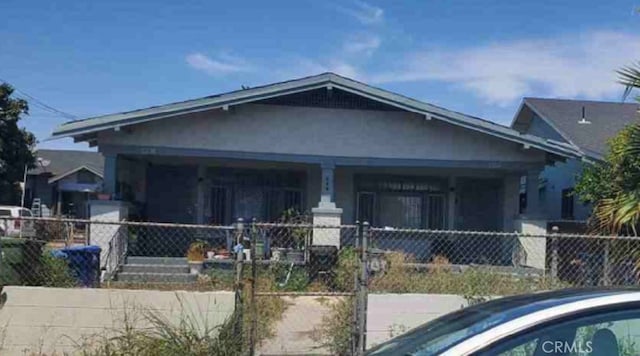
[
  {"x": 65, "y": 162},
  {"x": 605, "y": 120},
  {"x": 84, "y": 130}
]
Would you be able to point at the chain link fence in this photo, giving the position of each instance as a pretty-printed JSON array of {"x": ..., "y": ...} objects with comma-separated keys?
[{"x": 303, "y": 288}]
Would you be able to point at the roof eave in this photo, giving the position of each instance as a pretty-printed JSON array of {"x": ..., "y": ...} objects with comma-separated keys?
[{"x": 324, "y": 80}]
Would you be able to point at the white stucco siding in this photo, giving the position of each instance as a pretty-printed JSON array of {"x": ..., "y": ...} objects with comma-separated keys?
[{"x": 321, "y": 131}]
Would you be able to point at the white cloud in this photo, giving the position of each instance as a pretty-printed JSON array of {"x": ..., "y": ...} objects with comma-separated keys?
[
  {"x": 365, "y": 13},
  {"x": 500, "y": 73},
  {"x": 220, "y": 65},
  {"x": 362, "y": 44}
]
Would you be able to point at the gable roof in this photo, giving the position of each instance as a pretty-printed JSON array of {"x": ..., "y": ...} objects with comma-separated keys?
[
  {"x": 65, "y": 162},
  {"x": 606, "y": 120},
  {"x": 77, "y": 169},
  {"x": 83, "y": 129}
]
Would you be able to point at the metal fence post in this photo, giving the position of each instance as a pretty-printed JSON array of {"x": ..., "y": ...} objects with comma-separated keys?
[
  {"x": 254, "y": 276},
  {"x": 606, "y": 263},
  {"x": 554, "y": 255},
  {"x": 362, "y": 292},
  {"x": 239, "y": 286},
  {"x": 355, "y": 336}
]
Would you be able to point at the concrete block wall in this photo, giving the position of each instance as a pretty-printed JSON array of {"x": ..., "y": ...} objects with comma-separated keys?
[{"x": 55, "y": 320}]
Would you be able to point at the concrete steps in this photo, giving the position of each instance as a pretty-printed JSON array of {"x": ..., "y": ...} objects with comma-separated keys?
[
  {"x": 157, "y": 260},
  {"x": 156, "y": 277},
  {"x": 155, "y": 270}
]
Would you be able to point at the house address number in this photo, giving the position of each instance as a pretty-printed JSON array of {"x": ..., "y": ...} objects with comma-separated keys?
[{"x": 148, "y": 151}]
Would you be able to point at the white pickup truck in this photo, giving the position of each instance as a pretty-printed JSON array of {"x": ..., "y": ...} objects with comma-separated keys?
[{"x": 12, "y": 226}]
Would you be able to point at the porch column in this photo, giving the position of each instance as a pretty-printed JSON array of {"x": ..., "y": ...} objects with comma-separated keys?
[
  {"x": 200, "y": 201},
  {"x": 326, "y": 213},
  {"x": 327, "y": 193},
  {"x": 110, "y": 174},
  {"x": 451, "y": 204}
]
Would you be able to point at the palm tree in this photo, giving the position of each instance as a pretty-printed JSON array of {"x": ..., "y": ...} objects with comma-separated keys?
[{"x": 620, "y": 213}]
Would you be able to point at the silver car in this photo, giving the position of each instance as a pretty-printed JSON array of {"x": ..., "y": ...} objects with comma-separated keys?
[{"x": 593, "y": 322}]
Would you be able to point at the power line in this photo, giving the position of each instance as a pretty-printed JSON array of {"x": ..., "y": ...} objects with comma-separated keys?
[{"x": 39, "y": 103}]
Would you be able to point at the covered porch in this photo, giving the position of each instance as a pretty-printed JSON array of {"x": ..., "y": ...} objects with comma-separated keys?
[
  {"x": 386, "y": 193},
  {"x": 218, "y": 191}
]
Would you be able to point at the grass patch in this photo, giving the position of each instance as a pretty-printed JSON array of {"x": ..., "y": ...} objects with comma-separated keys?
[
  {"x": 473, "y": 282},
  {"x": 335, "y": 332},
  {"x": 148, "y": 333}
]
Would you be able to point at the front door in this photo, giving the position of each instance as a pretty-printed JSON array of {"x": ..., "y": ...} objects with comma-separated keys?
[
  {"x": 479, "y": 209},
  {"x": 171, "y": 194},
  {"x": 478, "y": 204}
]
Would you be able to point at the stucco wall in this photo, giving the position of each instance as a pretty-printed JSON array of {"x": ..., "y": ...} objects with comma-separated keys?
[
  {"x": 38, "y": 320},
  {"x": 540, "y": 128},
  {"x": 562, "y": 176},
  {"x": 321, "y": 131},
  {"x": 389, "y": 315}
]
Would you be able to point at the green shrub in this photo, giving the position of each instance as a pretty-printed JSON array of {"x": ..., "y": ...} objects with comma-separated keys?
[
  {"x": 347, "y": 266},
  {"x": 218, "y": 279},
  {"x": 335, "y": 332},
  {"x": 298, "y": 280},
  {"x": 55, "y": 272},
  {"x": 161, "y": 337}
]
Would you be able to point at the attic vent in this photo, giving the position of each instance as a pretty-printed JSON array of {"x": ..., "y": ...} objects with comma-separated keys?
[{"x": 583, "y": 120}]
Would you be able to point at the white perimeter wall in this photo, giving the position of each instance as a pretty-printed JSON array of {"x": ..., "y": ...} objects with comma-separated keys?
[
  {"x": 47, "y": 320},
  {"x": 389, "y": 315}
]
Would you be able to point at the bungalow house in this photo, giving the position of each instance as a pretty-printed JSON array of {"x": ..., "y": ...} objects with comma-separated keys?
[
  {"x": 586, "y": 125},
  {"x": 63, "y": 181},
  {"x": 330, "y": 145}
]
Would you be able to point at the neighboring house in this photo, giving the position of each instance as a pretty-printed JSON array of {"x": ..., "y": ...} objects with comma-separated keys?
[
  {"x": 338, "y": 148},
  {"x": 64, "y": 181},
  {"x": 587, "y": 125}
]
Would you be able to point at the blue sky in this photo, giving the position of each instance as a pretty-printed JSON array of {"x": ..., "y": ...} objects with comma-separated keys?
[{"x": 89, "y": 58}]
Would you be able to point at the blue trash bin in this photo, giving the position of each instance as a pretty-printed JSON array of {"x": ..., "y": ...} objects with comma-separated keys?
[{"x": 84, "y": 262}]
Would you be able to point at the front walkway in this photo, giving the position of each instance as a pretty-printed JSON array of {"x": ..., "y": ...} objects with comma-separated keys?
[{"x": 293, "y": 333}]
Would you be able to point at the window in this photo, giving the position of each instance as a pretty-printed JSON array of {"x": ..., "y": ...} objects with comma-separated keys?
[
  {"x": 400, "y": 210},
  {"x": 435, "y": 212},
  {"x": 603, "y": 333},
  {"x": 4, "y": 212},
  {"x": 25, "y": 212},
  {"x": 567, "y": 204},
  {"x": 366, "y": 205},
  {"x": 542, "y": 194},
  {"x": 278, "y": 200},
  {"x": 247, "y": 194},
  {"x": 218, "y": 205},
  {"x": 401, "y": 202}
]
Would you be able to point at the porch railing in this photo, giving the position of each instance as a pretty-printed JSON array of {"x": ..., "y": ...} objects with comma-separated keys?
[{"x": 117, "y": 252}]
